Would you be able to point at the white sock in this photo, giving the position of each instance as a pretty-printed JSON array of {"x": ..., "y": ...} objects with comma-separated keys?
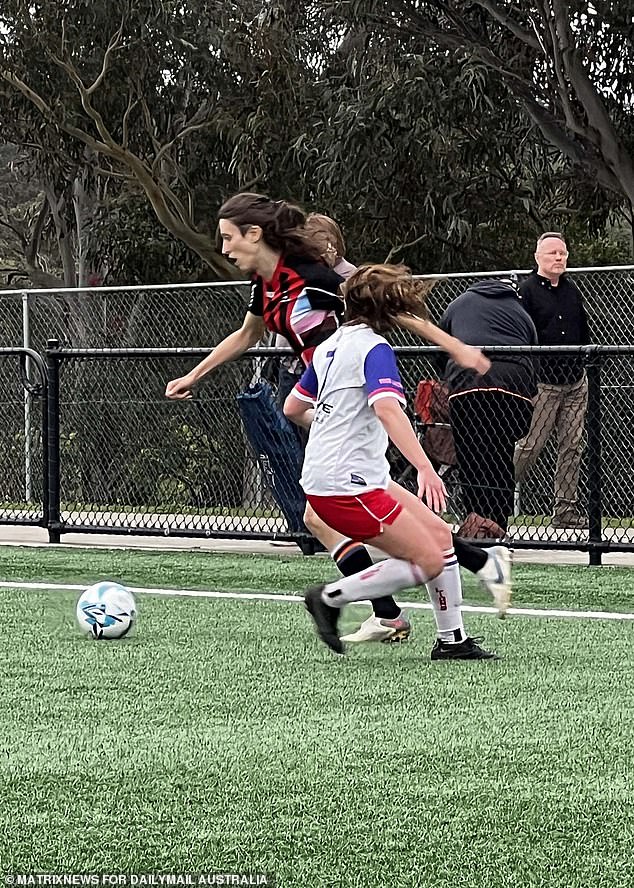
[
  {"x": 383, "y": 578},
  {"x": 445, "y": 594}
]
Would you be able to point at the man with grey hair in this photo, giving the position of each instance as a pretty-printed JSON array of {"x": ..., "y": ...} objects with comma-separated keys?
[{"x": 555, "y": 304}]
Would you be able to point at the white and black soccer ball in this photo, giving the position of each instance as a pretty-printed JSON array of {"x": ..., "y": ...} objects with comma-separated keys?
[{"x": 106, "y": 610}]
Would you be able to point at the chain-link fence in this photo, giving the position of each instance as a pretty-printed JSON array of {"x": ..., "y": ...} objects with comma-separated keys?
[
  {"x": 201, "y": 315},
  {"x": 123, "y": 317},
  {"x": 129, "y": 459},
  {"x": 23, "y": 463},
  {"x": 126, "y": 459}
]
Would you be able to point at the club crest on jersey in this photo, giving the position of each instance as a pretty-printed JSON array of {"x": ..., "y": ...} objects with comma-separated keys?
[{"x": 357, "y": 479}]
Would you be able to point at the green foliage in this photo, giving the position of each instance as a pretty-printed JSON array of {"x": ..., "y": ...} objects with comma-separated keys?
[
  {"x": 611, "y": 247},
  {"x": 128, "y": 241},
  {"x": 443, "y": 134}
]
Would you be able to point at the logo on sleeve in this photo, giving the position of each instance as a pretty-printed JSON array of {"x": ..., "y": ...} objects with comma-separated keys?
[
  {"x": 357, "y": 479},
  {"x": 387, "y": 380}
]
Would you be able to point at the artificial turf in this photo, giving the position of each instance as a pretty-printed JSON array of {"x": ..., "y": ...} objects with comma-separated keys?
[{"x": 223, "y": 737}]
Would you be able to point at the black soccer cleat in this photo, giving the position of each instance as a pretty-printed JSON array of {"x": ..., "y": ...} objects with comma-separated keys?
[
  {"x": 469, "y": 649},
  {"x": 324, "y": 617}
]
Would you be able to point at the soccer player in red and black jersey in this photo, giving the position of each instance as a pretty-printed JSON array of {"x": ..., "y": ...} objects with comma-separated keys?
[
  {"x": 299, "y": 302},
  {"x": 293, "y": 292}
]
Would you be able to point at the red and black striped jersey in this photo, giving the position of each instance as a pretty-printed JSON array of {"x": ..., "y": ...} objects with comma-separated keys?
[{"x": 300, "y": 302}]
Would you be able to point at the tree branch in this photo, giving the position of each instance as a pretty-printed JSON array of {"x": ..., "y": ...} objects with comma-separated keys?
[
  {"x": 111, "y": 174},
  {"x": 510, "y": 24},
  {"x": 33, "y": 247},
  {"x": 400, "y": 247},
  {"x": 184, "y": 132},
  {"x": 87, "y": 105},
  {"x": 132, "y": 102},
  {"x": 112, "y": 45},
  {"x": 557, "y": 136},
  {"x": 151, "y": 129},
  {"x": 559, "y": 71}
]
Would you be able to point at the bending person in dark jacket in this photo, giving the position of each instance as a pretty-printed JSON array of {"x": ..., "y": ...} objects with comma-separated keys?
[{"x": 490, "y": 413}]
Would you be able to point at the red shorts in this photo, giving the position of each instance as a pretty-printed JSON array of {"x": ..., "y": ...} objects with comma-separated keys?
[{"x": 359, "y": 517}]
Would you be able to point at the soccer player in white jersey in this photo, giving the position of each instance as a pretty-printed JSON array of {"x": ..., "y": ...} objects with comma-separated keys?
[{"x": 351, "y": 397}]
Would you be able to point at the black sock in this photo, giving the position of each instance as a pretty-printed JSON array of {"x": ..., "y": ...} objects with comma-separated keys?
[
  {"x": 469, "y": 556},
  {"x": 352, "y": 558}
]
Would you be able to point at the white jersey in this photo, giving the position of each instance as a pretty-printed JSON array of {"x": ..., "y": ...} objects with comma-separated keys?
[{"x": 350, "y": 371}]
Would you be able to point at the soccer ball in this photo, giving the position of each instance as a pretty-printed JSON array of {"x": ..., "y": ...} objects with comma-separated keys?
[{"x": 106, "y": 610}]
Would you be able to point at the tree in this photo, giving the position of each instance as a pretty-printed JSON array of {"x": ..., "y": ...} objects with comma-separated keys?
[
  {"x": 23, "y": 222},
  {"x": 116, "y": 101},
  {"x": 404, "y": 120},
  {"x": 426, "y": 158},
  {"x": 569, "y": 66}
]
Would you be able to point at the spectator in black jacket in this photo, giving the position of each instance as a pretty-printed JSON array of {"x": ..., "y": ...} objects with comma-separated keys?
[
  {"x": 556, "y": 306},
  {"x": 490, "y": 413}
]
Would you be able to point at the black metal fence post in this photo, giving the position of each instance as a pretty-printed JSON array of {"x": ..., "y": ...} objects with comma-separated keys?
[
  {"x": 52, "y": 455},
  {"x": 595, "y": 466}
]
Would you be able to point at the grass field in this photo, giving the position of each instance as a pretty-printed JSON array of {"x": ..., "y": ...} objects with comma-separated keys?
[{"x": 223, "y": 737}]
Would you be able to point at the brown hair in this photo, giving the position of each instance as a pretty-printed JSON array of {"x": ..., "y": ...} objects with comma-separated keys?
[
  {"x": 326, "y": 234},
  {"x": 376, "y": 294},
  {"x": 282, "y": 223}
]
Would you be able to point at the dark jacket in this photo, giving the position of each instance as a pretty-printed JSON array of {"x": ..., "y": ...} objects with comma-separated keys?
[
  {"x": 489, "y": 313},
  {"x": 560, "y": 319}
]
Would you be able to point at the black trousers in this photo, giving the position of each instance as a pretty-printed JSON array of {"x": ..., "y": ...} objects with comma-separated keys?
[{"x": 486, "y": 426}]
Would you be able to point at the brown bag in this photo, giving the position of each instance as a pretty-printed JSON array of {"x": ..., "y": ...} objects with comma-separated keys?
[{"x": 475, "y": 527}]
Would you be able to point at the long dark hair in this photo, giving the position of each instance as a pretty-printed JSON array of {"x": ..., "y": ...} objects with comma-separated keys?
[
  {"x": 282, "y": 223},
  {"x": 376, "y": 294}
]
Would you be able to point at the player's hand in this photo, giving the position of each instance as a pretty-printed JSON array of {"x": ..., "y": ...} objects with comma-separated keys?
[
  {"x": 179, "y": 389},
  {"x": 471, "y": 358},
  {"x": 432, "y": 490}
]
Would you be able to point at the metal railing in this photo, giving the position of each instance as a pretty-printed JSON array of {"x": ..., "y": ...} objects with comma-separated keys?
[
  {"x": 123, "y": 459},
  {"x": 200, "y": 315}
]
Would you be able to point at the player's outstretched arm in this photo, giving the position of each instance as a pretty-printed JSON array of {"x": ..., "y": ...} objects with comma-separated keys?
[
  {"x": 467, "y": 356},
  {"x": 231, "y": 347}
]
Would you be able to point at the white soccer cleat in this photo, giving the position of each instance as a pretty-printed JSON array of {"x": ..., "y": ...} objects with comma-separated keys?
[
  {"x": 377, "y": 629},
  {"x": 496, "y": 577}
]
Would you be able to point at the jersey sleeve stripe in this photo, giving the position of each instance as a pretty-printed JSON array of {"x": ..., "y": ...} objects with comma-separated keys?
[
  {"x": 377, "y": 394},
  {"x": 303, "y": 395}
]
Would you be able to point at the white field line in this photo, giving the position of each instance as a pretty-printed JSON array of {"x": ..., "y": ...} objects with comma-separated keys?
[{"x": 295, "y": 599}]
